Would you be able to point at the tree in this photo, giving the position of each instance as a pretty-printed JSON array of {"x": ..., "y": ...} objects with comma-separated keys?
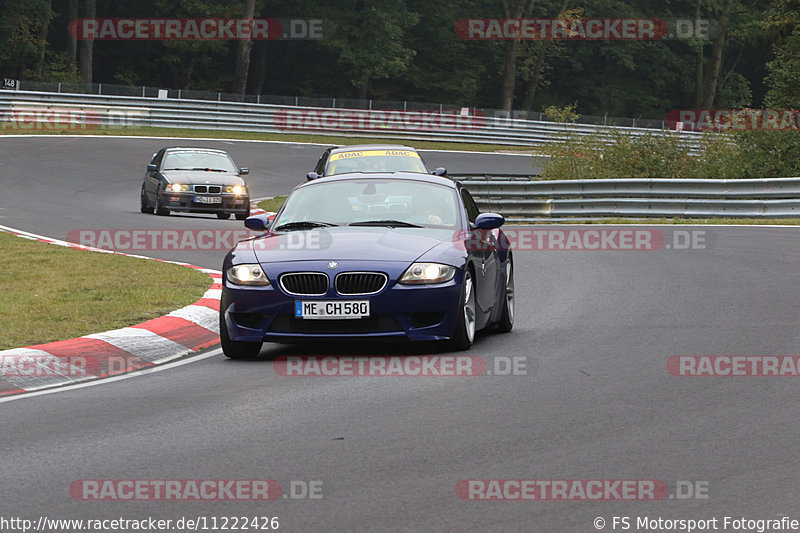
[
  {"x": 370, "y": 40},
  {"x": 243, "y": 53}
]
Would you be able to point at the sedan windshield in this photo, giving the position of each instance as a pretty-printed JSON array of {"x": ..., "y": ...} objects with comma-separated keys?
[
  {"x": 198, "y": 160},
  {"x": 372, "y": 202},
  {"x": 375, "y": 161}
]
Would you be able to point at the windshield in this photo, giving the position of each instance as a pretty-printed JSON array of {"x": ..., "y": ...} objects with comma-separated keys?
[
  {"x": 193, "y": 159},
  {"x": 375, "y": 161},
  {"x": 387, "y": 202}
]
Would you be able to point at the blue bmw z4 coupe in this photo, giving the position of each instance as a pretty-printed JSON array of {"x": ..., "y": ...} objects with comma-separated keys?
[{"x": 395, "y": 256}]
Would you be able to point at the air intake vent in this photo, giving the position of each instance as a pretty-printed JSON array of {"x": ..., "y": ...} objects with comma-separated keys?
[
  {"x": 305, "y": 283},
  {"x": 360, "y": 282}
]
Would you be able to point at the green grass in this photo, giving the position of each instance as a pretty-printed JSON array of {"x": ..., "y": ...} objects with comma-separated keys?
[
  {"x": 53, "y": 293},
  {"x": 272, "y": 204},
  {"x": 259, "y": 136}
]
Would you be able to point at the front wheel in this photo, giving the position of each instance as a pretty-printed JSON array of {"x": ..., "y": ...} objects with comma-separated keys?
[
  {"x": 143, "y": 207},
  {"x": 236, "y": 349},
  {"x": 464, "y": 334},
  {"x": 507, "y": 316}
]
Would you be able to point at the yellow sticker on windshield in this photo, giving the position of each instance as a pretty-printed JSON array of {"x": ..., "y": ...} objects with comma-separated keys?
[{"x": 368, "y": 153}]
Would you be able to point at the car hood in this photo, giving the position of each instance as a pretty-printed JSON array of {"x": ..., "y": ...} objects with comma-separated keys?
[
  {"x": 202, "y": 177},
  {"x": 347, "y": 244}
]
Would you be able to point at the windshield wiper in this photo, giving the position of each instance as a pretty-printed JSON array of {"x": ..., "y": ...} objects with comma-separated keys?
[
  {"x": 390, "y": 223},
  {"x": 305, "y": 224}
]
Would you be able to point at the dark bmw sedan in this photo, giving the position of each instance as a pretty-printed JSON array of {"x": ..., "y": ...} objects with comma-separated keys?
[
  {"x": 195, "y": 180},
  {"x": 378, "y": 256}
]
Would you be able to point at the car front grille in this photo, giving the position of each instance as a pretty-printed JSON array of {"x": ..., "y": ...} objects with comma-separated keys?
[
  {"x": 304, "y": 283},
  {"x": 211, "y": 189},
  {"x": 360, "y": 282}
]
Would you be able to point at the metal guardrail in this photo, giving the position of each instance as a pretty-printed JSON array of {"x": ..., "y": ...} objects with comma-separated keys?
[
  {"x": 31, "y": 110},
  {"x": 521, "y": 198}
]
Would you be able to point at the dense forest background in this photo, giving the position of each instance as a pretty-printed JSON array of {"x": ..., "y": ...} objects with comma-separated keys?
[{"x": 409, "y": 50}]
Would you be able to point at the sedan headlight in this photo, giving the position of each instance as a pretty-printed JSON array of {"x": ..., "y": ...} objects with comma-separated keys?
[
  {"x": 421, "y": 273},
  {"x": 235, "y": 189},
  {"x": 247, "y": 274},
  {"x": 177, "y": 187}
]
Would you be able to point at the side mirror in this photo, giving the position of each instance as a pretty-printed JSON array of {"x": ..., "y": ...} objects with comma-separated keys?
[
  {"x": 440, "y": 171},
  {"x": 312, "y": 176},
  {"x": 151, "y": 167},
  {"x": 489, "y": 221},
  {"x": 257, "y": 222},
  {"x": 244, "y": 171}
]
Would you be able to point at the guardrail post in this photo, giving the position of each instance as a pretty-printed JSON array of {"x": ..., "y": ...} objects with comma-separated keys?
[
  {"x": 258, "y": 98},
  {"x": 296, "y": 101},
  {"x": 333, "y": 103},
  {"x": 179, "y": 94},
  {"x": 219, "y": 97},
  {"x": 59, "y": 86},
  {"x": 99, "y": 88},
  {"x": 143, "y": 88}
]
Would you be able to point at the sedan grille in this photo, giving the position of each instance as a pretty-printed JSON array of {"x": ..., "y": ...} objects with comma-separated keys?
[
  {"x": 360, "y": 282},
  {"x": 304, "y": 283},
  {"x": 213, "y": 189}
]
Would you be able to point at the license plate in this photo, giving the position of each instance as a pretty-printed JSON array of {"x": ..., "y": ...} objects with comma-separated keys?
[
  {"x": 331, "y": 309},
  {"x": 208, "y": 199}
]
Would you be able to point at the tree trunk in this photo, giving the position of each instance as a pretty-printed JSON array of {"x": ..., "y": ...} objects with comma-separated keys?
[
  {"x": 243, "y": 54},
  {"x": 536, "y": 75},
  {"x": 520, "y": 9},
  {"x": 87, "y": 47},
  {"x": 698, "y": 66},
  {"x": 260, "y": 71},
  {"x": 717, "y": 50},
  {"x": 72, "y": 42}
]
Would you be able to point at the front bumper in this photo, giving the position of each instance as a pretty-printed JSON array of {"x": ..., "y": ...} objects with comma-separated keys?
[
  {"x": 229, "y": 203},
  {"x": 414, "y": 312}
]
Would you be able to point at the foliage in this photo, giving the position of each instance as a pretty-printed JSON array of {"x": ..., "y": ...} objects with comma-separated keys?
[{"x": 618, "y": 154}]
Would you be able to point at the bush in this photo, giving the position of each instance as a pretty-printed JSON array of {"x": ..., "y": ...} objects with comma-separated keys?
[{"x": 620, "y": 154}]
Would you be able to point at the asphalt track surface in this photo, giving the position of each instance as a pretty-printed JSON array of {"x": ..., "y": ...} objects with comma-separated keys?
[{"x": 595, "y": 329}]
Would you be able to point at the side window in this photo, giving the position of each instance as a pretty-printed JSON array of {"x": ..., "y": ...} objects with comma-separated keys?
[
  {"x": 157, "y": 157},
  {"x": 320, "y": 169},
  {"x": 470, "y": 205}
]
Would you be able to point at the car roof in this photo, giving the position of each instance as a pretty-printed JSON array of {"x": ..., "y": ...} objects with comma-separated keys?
[
  {"x": 394, "y": 176},
  {"x": 194, "y": 149},
  {"x": 362, "y": 147}
]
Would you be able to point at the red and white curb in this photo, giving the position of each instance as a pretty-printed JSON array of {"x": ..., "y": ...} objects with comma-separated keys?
[{"x": 99, "y": 355}]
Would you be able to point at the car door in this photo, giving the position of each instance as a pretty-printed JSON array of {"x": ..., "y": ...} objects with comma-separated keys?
[
  {"x": 151, "y": 176},
  {"x": 485, "y": 254}
]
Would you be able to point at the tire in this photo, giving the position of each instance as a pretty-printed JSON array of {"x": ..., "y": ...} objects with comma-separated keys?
[
  {"x": 223, "y": 216},
  {"x": 143, "y": 207},
  {"x": 506, "y": 322},
  {"x": 242, "y": 216},
  {"x": 161, "y": 211},
  {"x": 236, "y": 349},
  {"x": 464, "y": 334}
]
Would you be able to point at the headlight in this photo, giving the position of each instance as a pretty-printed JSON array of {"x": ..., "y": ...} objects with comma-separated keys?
[
  {"x": 420, "y": 273},
  {"x": 235, "y": 189},
  {"x": 247, "y": 274},
  {"x": 177, "y": 187}
]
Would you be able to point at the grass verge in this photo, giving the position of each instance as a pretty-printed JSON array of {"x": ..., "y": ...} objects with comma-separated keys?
[
  {"x": 272, "y": 204},
  {"x": 260, "y": 136},
  {"x": 52, "y": 293}
]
